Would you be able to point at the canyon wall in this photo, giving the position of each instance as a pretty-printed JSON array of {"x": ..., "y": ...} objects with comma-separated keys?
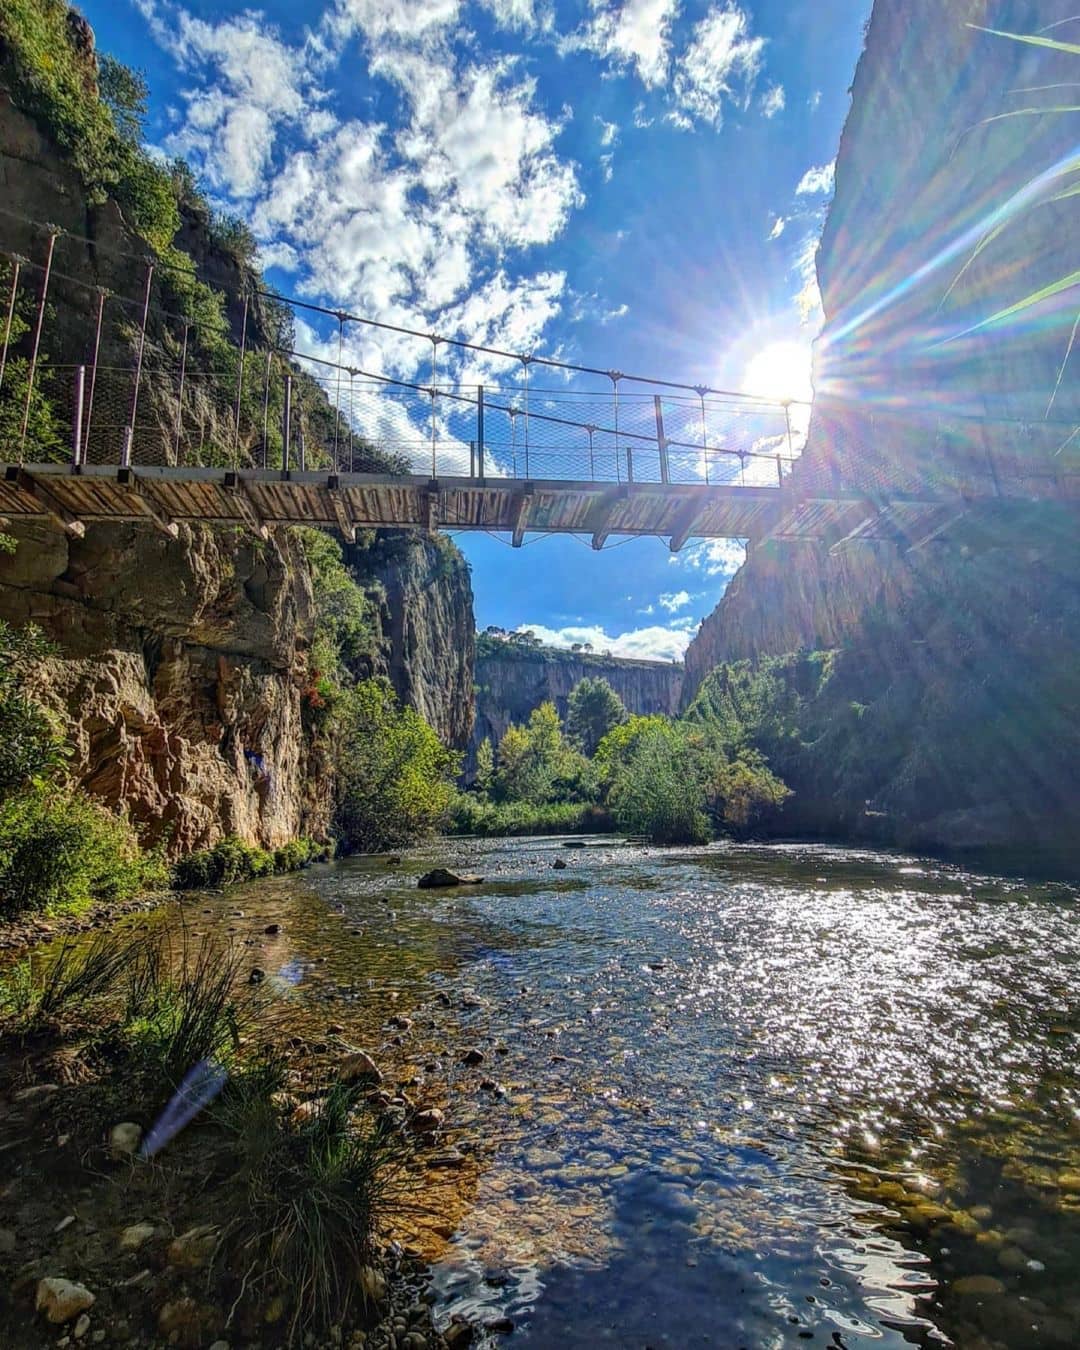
[
  {"x": 911, "y": 381},
  {"x": 512, "y": 680}
]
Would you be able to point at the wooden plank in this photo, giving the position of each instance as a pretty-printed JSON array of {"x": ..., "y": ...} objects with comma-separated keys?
[
  {"x": 431, "y": 507},
  {"x": 346, "y": 525},
  {"x": 53, "y": 507},
  {"x": 238, "y": 491},
  {"x": 522, "y": 505}
]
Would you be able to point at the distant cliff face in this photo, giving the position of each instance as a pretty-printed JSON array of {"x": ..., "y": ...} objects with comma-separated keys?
[
  {"x": 426, "y": 626},
  {"x": 511, "y": 681},
  {"x": 918, "y": 171}
]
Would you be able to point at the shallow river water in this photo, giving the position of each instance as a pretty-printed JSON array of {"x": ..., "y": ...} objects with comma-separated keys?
[{"x": 748, "y": 1096}]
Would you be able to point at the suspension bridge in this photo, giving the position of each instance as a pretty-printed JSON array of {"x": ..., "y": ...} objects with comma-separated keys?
[{"x": 110, "y": 410}]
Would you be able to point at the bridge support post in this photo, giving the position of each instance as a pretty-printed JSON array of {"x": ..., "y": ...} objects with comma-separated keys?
[
  {"x": 286, "y": 426},
  {"x": 661, "y": 439},
  {"x": 480, "y": 431},
  {"x": 77, "y": 418}
]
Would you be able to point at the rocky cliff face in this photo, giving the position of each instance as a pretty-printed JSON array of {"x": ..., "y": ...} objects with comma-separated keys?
[
  {"x": 511, "y": 681},
  {"x": 919, "y": 173},
  {"x": 426, "y": 628},
  {"x": 177, "y": 676}
]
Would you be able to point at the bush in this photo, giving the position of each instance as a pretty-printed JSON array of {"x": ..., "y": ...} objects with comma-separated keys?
[
  {"x": 395, "y": 777},
  {"x": 231, "y": 860},
  {"x": 29, "y": 744},
  {"x": 315, "y": 1192},
  {"x": 659, "y": 793},
  {"x": 60, "y": 849},
  {"x": 470, "y": 815}
]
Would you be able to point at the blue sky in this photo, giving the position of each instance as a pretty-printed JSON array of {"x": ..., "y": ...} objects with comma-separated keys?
[{"x": 634, "y": 187}]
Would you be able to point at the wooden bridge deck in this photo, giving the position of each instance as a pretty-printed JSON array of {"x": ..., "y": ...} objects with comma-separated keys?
[{"x": 259, "y": 499}]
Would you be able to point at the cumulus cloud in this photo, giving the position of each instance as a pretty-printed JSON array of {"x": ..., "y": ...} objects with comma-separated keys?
[
  {"x": 674, "y": 600},
  {"x": 714, "y": 557},
  {"x": 817, "y": 180},
  {"x": 654, "y": 643},
  {"x": 721, "y": 62},
  {"x": 633, "y": 35}
]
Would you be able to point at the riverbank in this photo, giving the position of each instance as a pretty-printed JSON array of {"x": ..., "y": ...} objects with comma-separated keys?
[{"x": 154, "y": 1241}]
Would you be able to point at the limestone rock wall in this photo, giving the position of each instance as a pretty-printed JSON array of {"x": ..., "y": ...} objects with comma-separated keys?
[
  {"x": 178, "y": 676},
  {"x": 426, "y": 625},
  {"x": 919, "y": 173}
]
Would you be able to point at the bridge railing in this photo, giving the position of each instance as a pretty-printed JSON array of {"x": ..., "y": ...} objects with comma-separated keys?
[{"x": 105, "y": 378}]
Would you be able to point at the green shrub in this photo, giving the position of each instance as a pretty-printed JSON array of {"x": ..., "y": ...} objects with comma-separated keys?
[
  {"x": 231, "y": 860},
  {"x": 29, "y": 744},
  {"x": 395, "y": 776},
  {"x": 659, "y": 792},
  {"x": 316, "y": 1191},
  {"x": 59, "y": 849},
  {"x": 470, "y": 815}
]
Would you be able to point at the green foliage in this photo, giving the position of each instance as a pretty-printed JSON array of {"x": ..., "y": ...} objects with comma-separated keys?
[
  {"x": 344, "y": 614},
  {"x": 61, "y": 849},
  {"x": 395, "y": 777},
  {"x": 315, "y": 1192},
  {"x": 618, "y": 746},
  {"x": 30, "y": 747},
  {"x": 177, "y": 1018},
  {"x": 52, "y": 80},
  {"x": 231, "y": 861},
  {"x": 536, "y": 765},
  {"x": 593, "y": 709},
  {"x": 64, "y": 981},
  {"x": 485, "y": 766},
  {"x": 658, "y": 791},
  {"x": 471, "y": 815}
]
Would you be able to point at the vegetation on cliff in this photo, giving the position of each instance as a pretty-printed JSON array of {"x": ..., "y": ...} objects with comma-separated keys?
[{"x": 57, "y": 847}]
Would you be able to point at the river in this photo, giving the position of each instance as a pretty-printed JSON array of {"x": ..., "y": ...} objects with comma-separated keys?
[{"x": 747, "y": 1096}]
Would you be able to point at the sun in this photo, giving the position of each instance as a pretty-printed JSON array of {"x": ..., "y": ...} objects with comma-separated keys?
[{"x": 779, "y": 372}]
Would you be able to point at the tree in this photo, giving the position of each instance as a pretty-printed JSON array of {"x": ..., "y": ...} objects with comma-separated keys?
[
  {"x": 485, "y": 766},
  {"x": 535, "y": 764},
  {"x": 396, "y": 778},
  {"x": 658, "y": 791},
  {"x": 30, "y": 746},
  {"x": 124, "y": 93},
  {"x": 594, "y": 708}
]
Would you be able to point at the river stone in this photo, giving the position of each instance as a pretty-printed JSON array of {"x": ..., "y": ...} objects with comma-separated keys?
[
  {"x": 978, "y": 1285},
  {"x": 559, "y": 864},
  {"x": 359, "y": 1065},
  {"x": 82, "y": 1326},
  {"x": 372, "y": 1283},
  {"x": 473, "y": 1057},
  {"x": 61, "y": 1299},
  {"x": 192, "y": 1250},
  {"x": 427, "y": 1122},
  {"x": 133, "y": 1237},
  {"x": 124, "y": 1139},
  {"x": 442, "y": 876}
]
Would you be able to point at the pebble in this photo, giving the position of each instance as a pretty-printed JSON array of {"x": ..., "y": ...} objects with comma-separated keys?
[
  {"x": 473, "y": 1056},
  {"x": 359, "y": 1065},
  {"x": 192, "y": 1250},
  {"x": 427, "y": 1122},
  {"x": 272, "y": 929},
  {"x": 985, "y": 1285},
  {"x": 82, "y": 1326},
  {"x": 65, "y": 1222},
  {"x": 61, "y": 1299},
  {"x": 124, "y": 1139}
]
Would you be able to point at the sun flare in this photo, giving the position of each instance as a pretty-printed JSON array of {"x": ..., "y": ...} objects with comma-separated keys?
[{"x": 779, "y": 372}]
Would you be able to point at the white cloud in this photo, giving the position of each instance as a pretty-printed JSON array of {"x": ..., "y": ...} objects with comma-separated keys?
[
  {"x": 402, "y": 19},
  {"x": 635, "y": 34},
  {"x": 654, "y": 643},
  {"x": 641, "y": 116},
  {"x": 512, "y": 13},
  {"x": 817, "y": 180},
  {"x": 778, "y": 227},
  {"x": 808, "y": 296},
  {"x": 714, "y": 557},
  {"x": 249, "y": 85},
  {"x": 773, "y": 100},
  {"x": 721, "y": 55},
  {"x": 616, "y": 312},
  {"x": 674, "y": 600},
  {"x": 814, "y": 99},
  {"x": 609, "y": 132}
]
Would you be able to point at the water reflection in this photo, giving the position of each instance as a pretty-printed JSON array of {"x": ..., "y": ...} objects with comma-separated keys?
[{"x": 738, "y": 1096}]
